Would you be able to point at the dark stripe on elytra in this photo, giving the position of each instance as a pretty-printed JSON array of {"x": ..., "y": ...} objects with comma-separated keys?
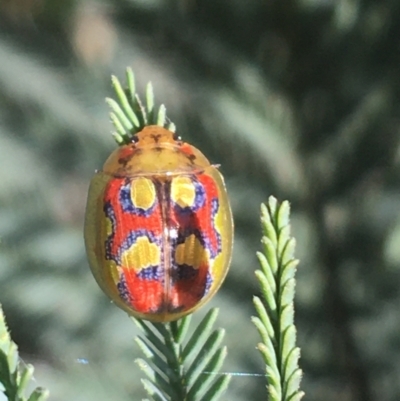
[
  {"x": 163, "y": 194},
  {"x": 186, "y": 272}
]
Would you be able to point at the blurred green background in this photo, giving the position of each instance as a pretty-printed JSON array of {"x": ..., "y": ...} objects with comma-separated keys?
[{"x": 295, "y": 98}]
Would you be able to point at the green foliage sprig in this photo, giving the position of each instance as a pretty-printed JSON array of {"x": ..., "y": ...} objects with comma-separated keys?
[
  {"x": 14, "y": 375},
  {"x": 179, "y": 369},
  {"x": 275, "y": 321},
  {"x": 129, "y": 115}
]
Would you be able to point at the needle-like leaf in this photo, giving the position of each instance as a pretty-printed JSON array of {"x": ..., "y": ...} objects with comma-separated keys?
[
  {"x": 15, "y": 376},
  {"x": 275, "y": 323}
]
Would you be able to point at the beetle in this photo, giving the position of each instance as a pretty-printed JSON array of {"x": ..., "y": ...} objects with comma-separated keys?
[{"x": 158, "y": 227}]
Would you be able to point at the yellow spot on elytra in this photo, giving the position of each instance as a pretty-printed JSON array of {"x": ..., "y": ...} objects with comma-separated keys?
[
  {"x": 143, "y": 193},
  {"x": 109, "y": 228},
  {"x": 141, "y": 254},
  {"x": 217, "y": 268},
  {"x": 183, "y": 191},
  {"x": 114, "y": 271},
  {"x": 191, "y": 253},
  {"x": 219, "y": 220}
]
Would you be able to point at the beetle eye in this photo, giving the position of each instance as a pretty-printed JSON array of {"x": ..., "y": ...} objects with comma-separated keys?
[{"x": 177, "y": 137}]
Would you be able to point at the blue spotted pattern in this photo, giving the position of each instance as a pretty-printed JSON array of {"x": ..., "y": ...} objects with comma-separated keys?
[
  {"x": 209, "y": 282},
  {"x": 214, "y": 211},
  {"x": 123, "y": 290},
  {"x": 150, "y": 273}
]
